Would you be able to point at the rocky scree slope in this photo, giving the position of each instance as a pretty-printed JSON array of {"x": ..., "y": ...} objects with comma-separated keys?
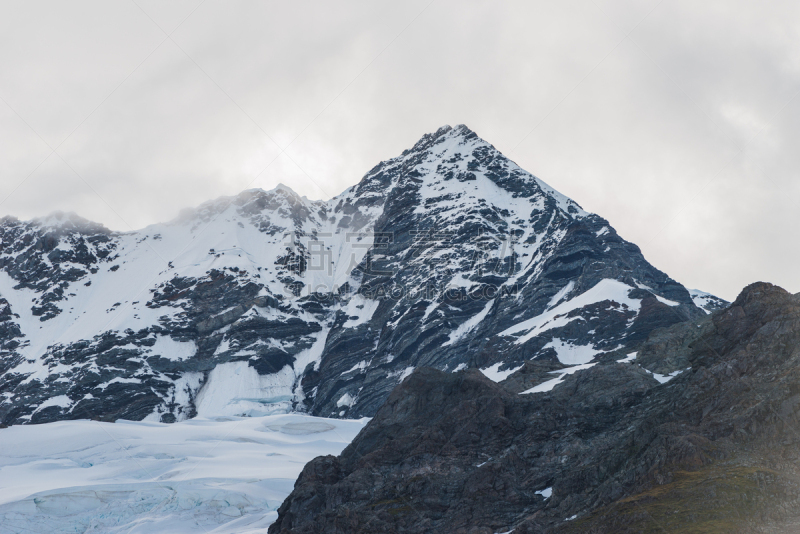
[
  {"x": 609, "y": 450},
  {"x": 447, "y": 256}
]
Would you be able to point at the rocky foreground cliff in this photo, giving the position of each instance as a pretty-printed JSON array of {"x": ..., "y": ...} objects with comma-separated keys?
[
  {"x": 710, "y": 443},
  {"x": 448, "y": 256}
]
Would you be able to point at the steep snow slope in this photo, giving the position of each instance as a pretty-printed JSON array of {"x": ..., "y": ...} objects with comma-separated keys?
[
  {"x": 449, "y": 256},
  {"x": 225, "y": 475}
]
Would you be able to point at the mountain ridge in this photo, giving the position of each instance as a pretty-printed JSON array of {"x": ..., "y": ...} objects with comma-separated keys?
[{"x": 449, "y": 255}]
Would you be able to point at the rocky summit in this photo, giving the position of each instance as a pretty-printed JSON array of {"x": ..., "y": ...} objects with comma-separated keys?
[
  {"x": 711, "y": 448},
  {"x": 447, "y": 257}
]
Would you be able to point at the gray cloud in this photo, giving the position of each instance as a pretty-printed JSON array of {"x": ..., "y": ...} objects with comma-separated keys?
[{"x": 681, "y": 133}]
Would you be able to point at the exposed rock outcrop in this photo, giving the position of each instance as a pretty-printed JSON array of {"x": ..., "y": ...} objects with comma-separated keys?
[{"x": 608, "y": 450}]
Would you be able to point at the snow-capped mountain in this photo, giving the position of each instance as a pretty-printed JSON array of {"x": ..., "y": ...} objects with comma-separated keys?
[{"x": 449, "y": 256}]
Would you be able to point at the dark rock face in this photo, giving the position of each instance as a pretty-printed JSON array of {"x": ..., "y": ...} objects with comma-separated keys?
[
  {"x": 449, "y": 256},
  {"x": 609, "y": 450},
  {"x": 34, "y": 259}
]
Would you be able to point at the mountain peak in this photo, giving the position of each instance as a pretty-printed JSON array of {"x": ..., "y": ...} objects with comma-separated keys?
[
  {"x": 61, "y": 221},
  {"x": 462, "y": 130},
  {"x": 258, "y": 192},
  {"x": 456, "y": 162},
  {"x": 760, "y": 293},
  {"x": 283, "y": 188},
  {"x": 445, "y": 132}
]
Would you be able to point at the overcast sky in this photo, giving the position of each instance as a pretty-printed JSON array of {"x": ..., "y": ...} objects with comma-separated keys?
[{"x": 675, "y": 120}]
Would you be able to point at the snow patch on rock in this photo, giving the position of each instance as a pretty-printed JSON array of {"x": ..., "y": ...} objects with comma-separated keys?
[
  {"x": 494, "y": 373},
  {"x": 606, "y": 289},
  {"x": 550, "y": 384}
]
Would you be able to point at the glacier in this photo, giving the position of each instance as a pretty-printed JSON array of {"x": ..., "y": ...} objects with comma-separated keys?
[{"x": 222, "y": 475}]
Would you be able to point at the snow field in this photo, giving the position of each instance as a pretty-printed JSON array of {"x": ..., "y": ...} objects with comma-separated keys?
[{"x": 223, "y": 476}]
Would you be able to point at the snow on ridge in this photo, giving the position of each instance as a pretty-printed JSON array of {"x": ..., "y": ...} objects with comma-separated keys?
[
  {"x": 360, "y": 366},
  {"x": 402, "y": 374},
  {"x": 571, "y": 354},
  {"x": 469, "y": 325},
  {"x": 166, "y": 347},
  {"x": 456, "y": 145},
  {"x": 658, "y": 297},
  {"x": 563, "y": 292},
  {"x": 62, "y": 401},
  {"x": 566, "y": 204},
  {"x": 663, "y": 379},
  {"x": 666, "y": 301},
  {"x": 706, "y": 301},
  {"x": 550, "y": 384},
  {"x": 494, "y": 373},
  {"x": 606, "y": 289},
  {"x": 117, "y": 380}
]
